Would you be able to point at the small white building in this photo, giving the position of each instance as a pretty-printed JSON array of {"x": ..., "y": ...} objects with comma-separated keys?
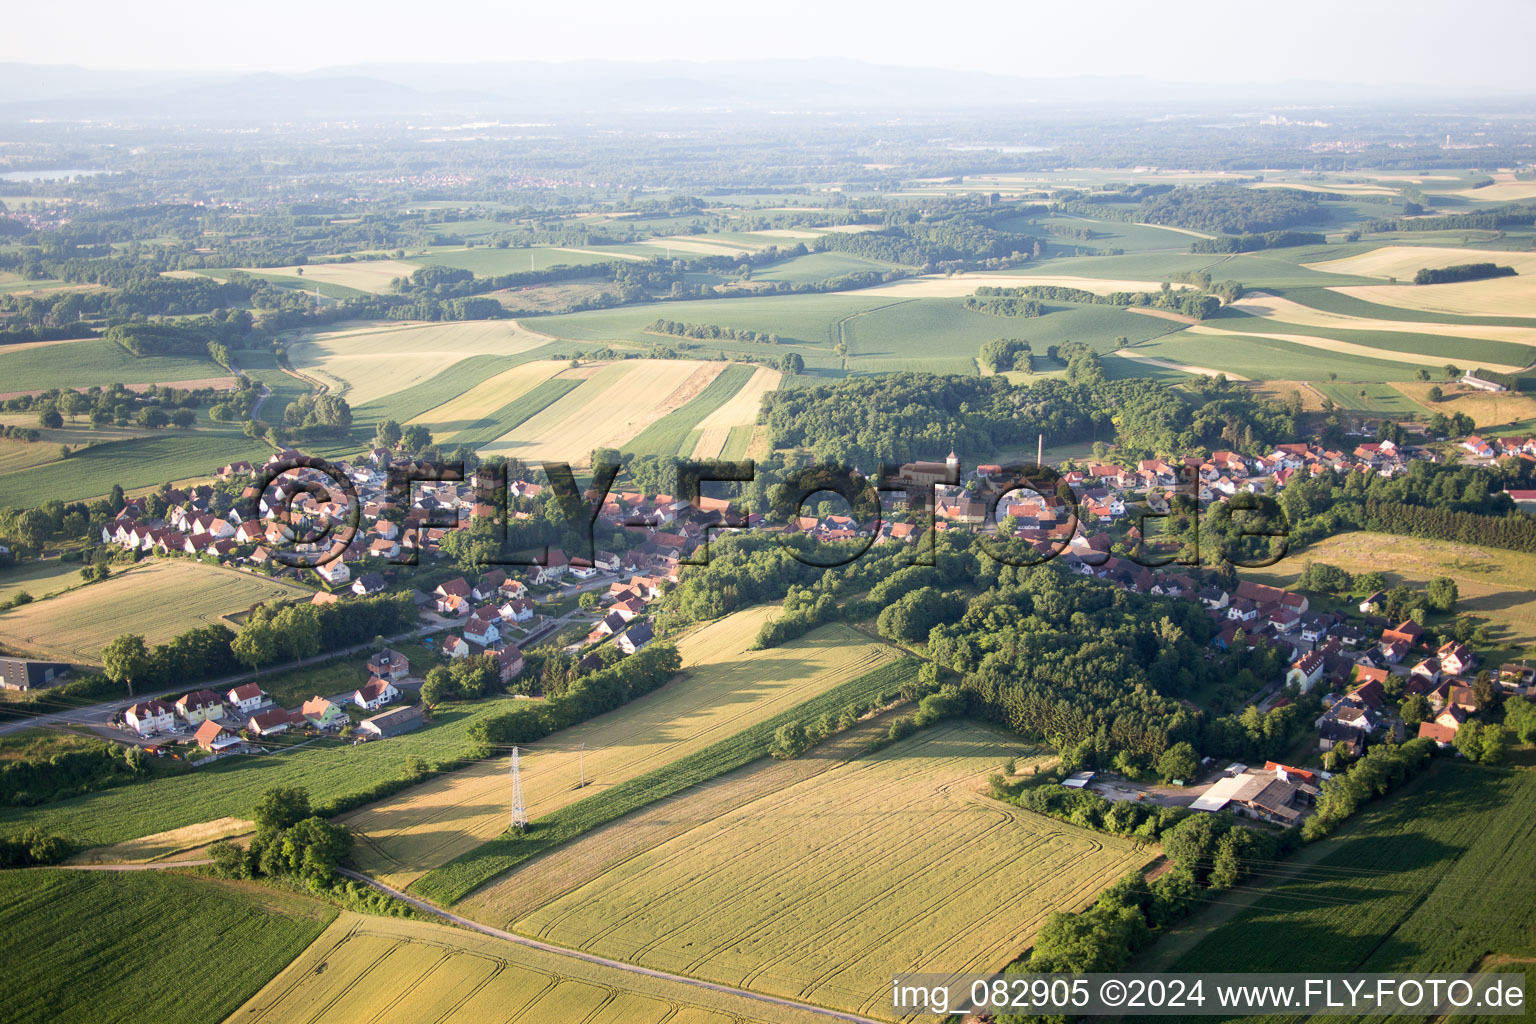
[{"x": 150, "y": 717}]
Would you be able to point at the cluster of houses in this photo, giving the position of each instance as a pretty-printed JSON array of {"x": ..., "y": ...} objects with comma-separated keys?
[
  {"x": 1276, "y": 793},
  {"x": 232, "y": 721}
]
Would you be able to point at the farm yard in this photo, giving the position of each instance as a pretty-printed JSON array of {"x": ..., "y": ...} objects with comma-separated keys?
[
  {"x": 724, "y": 689},
  {"x": 89, "y": 946},
  {"x": 76, "y": 625},
  {"x": 401, "y": 972},
  {"x": 890, "y": 862},
  {"x": 1404, "y": 887}
]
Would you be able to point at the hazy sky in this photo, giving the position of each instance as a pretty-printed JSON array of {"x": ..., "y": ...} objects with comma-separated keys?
[{"x": 1424, "y": 42}]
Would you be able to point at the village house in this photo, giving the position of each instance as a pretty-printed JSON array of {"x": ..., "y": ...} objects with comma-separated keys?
[
  {"x": 637, "y": 637},
  {"x": 389, "y": 664},
  {"x": 1305, "y": 671},
  {"x": 150, "y": 717},
  {"x": 269, "y": 723},
  {"x": 247, "y": 697},
  {"x": 216, "y": 738},
  {"x": 454, "y": 647},
  {"x": 199, "y": 706},
  {"x": 374, "y": 694},
  {"x": 482, "y": 627},
  {"x": 323, "y": 714}
]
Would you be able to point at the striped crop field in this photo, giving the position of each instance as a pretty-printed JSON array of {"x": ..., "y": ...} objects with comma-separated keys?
[
  {"x": 392, "y": 971},
  {"x": 610, "y": 408},
  {"x": 890, "y": 863},
  {"x": 723, "y": 689},
  {"x": 364, "y": 364},
  {"x": 739, "y": 412}
]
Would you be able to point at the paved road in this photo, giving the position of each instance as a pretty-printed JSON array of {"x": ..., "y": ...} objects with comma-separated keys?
[{"x": 465, "y": 922}]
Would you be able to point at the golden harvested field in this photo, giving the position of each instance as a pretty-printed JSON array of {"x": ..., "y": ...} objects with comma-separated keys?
[
  {"x": 1273, "y": 307},
  {"x": 700, "y": 245},
  {"x": 76, "y": 625},
  {"x": 1348, "y": 348},
  {"x": 366, "y": 276},
  {"x": 1487, "y": 408},
  {"x": 489, "y": 395},
  {"x": 1506, "y": 191},
  {"x": 366, "y": 363},
  {"x": 391, "y": 971},
  {"x": 1493, "y": 584},
  {"x": 890, "y": 863},
  {"x": 1169, "y": 364},
  {"x": 956, "y": 285},
  {"x": 1344, "y": 188},
  {"x": 739, "y": 411},
  {"x": 584, "y": 859},
  {"x": 724, "y": 689},
  {"x": 1502, "y": 296},
  {"x": 614, "y": 405},
  {"x": 1403, "y": 261}
]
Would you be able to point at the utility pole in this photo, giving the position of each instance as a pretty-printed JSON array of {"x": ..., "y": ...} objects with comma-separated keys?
[
  {"x": 519, "y": 811},
  {"x": 583, "y": 754}
]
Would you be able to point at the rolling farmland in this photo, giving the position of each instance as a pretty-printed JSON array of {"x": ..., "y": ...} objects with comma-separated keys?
[
  {"x": 364, "y": 364},
  {"x": 678, "y": 431},
  {"x": 38, "y": 578},
  {"x": 1264, "y": 357},
  {"x": 739, "y": 412},
  {"x": 1502, "y": 296},
  {"x": 403, "y": 972},
  {"x": 891, "y": 862},
  {"x": 1403, "y": 261},
  {"x": 80, "y": 364},
  {"x": 724, "y": 689},
  {"x": 87, "y": 946},
  {"x": 362, "y": 275},
  {"x": 133, "y": 462},
  {"x": 609, "y": 409},
  {"x": 75, "y": 626},
  {"x": 469, "y": 409}
]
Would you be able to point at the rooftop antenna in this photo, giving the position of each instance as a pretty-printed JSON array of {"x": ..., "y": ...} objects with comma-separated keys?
[{"x": 519, "y": 809}]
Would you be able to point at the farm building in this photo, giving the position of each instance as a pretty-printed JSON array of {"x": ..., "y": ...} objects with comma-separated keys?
[
  {"x": 1268, "y": 795},
  {"x": 23, "y": 674},
  {"x": 391, "y": 723}
]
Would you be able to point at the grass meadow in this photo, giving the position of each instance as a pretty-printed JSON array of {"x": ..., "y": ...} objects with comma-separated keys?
[
  {"x": 144, "y": 946},
  {"x": 76, "y": 625},
  {"x": 82, "y": 364}
]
